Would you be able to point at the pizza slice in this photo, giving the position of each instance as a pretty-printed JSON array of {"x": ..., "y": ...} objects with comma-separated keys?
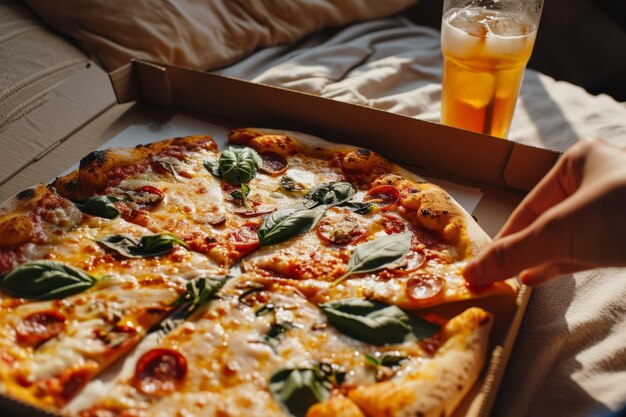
[
  {"x": 266, "y": 350},
  {"x": 351, "y": 224},
  {"x": 77, "y": 291},
  {"x": 164, "y": 186}
]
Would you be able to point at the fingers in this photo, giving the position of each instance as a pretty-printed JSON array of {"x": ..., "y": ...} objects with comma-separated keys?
[
  {"x": 549, "y": 270},
  {"x": 558, "y": 184},
  {"x": 511, "y": 254}
]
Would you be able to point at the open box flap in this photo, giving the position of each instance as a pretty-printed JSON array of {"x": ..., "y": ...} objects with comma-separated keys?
[
  {"x": 458, "y": 152},
  {"x": 65, "y": 109}
]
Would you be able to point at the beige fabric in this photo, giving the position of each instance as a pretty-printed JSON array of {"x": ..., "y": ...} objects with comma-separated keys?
[
  {"x": 570, "y": 358},
  {"x": 199, "y": 34},
  {"x": 32, "y": 61}
]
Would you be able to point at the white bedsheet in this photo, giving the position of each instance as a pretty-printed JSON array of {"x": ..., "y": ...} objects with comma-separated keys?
[{"x": 570, "y": 359}]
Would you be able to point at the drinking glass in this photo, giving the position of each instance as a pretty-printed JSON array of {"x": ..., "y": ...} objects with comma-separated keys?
[{"x": 486, "y": 45}]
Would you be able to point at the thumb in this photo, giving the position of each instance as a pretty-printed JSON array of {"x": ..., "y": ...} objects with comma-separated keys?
[{"x": 541, "y": 242}]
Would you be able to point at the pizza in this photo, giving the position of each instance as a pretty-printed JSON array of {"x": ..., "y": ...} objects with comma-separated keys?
[{"x": 282, "y": 275}]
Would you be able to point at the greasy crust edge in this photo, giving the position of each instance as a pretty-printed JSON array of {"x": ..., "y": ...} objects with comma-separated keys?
[{"x": 73, "y": 185}]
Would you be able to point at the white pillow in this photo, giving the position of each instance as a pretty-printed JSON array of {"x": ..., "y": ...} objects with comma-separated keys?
[{"x": 200, "y": 34}]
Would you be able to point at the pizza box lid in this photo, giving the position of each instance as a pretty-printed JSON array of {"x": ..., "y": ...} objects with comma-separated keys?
[{"x": 504, "y": 170}]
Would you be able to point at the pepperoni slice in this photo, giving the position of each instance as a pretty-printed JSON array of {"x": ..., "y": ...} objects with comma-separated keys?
[
  {"x": 256, "y": 209},
  {"x": 40, "y": 326},
  {"x": 424, "y": 286},
  {"x": 273, "y": 163},
  {"x": 145, "y": 197},
  {"x": 245, "y": 239},
  {"x": 340, "y": 231},
  {"x": 409, "y": 264},
  {"x": 384, "y": 196},
  {"x": 159, "y": 371},
  {"x": 393, "y": 224}
]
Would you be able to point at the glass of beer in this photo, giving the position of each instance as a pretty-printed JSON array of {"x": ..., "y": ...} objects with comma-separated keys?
[{"x": 486, "y": 45}]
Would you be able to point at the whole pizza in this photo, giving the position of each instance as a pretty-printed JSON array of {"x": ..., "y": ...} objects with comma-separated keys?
[{"x": 282, "y": 276}]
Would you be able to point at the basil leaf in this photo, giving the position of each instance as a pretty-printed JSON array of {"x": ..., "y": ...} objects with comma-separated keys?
[
  {"x": 284, "y": 224},
  {"x": 372, "y": 360},
  {"x": 199, "y": 291},
  {"x": 141, "y": 247},
  {"x": 266, "y": 309},
  {"x": 277, "y": 328},
  {"x": 241, "y": 194},
  {"x": 213, "y": 167},
  {"x": 290, "y": 184},
  {"x": 251, "y": 290},
  {"x": 377, "y": 254},
  {"x": 376, "y": 323},
  {"x": 274, "y": 334},
  {"x": 331, "y": 194},
  {"x": 239, "y": 165},
  {"x": 297, "y": 389},
  {"x": 391, "y": 360},
  {"x": 359, "y": 207},
  {"x": 45, "y": 280},
  {"x": 100, "y": 205}
]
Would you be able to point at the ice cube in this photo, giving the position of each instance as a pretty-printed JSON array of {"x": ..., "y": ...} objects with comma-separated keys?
[
  {"x": 509, "y": 35},
  {"x": 462, "y": 35},
  {"x": 475, "y": 89}
]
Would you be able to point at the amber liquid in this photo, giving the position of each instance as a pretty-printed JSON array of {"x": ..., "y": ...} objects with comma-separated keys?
[{"x": 485, "y": 53}]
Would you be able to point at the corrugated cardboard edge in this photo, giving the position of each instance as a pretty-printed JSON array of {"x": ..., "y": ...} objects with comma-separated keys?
[
  {"x": 502, "y": 163},
  {"x": 68, "y": 107},
  {"x": 500, "y": 355}
]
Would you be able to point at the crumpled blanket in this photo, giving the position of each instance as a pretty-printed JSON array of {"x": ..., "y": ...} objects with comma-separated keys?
[{"x": 570, "y": 357}]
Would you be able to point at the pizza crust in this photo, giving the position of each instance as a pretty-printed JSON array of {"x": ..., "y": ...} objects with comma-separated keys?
[
  {"x": 94, "y": 169},
  {"x": 436, "y": 388}
]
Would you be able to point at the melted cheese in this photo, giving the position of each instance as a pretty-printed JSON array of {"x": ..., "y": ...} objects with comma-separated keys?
[
  {"x": 87, "y": 313},
  {"x": 231, "y": 359}
]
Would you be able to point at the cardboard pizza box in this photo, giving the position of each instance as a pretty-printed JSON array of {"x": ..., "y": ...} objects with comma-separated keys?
[{"x": 150, "y": 92}]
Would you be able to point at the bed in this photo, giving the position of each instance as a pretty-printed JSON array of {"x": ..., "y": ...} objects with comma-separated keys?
[{"x": 570, "y": 358}]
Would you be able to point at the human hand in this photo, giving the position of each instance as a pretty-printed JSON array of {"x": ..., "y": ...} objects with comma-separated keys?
[{"x": 574, "y": 219}]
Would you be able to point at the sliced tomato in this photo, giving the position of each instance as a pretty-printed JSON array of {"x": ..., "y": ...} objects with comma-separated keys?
[
  {"x": 340, "y": 231},
  {"x": 159, "y": 371},
  {"x": 424, "y": 286},
  {"x": 145, "y": 197},
  {"x": 273, "y": 163},
  {"x": 245, "y": 239},
  {"x": 40, "y": 326},
  {"x": 383, "y": 196}
]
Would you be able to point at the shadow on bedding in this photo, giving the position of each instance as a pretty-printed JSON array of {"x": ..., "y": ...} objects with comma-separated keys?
[
  {"x": 552, "y": 127},
  {"x": 544, "y": 369}
]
